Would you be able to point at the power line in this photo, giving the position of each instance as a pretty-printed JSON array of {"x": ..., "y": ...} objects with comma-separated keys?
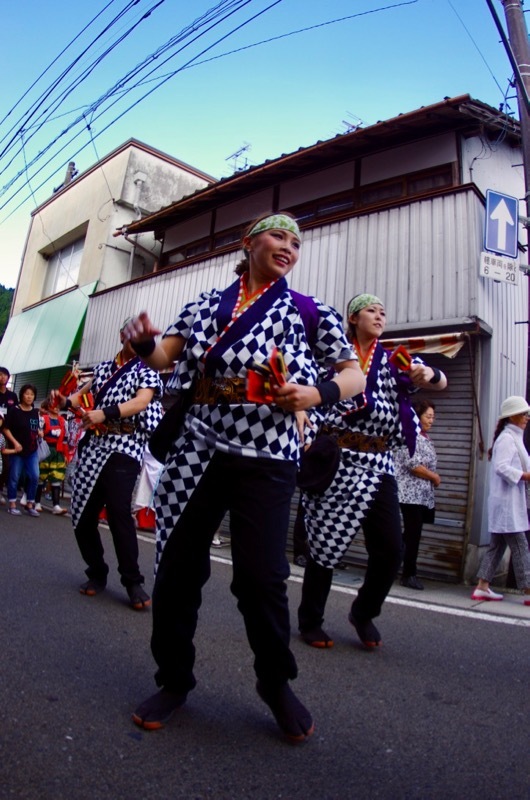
[
  {"x": 38, "y": 103},
  {"x": 234, "y": 5},
  {"x": 94, "y": 107},
  {"x": 476, "y": 47},
  {"x": 50, "y": 65},
  {"x": 116, "y": 89}
]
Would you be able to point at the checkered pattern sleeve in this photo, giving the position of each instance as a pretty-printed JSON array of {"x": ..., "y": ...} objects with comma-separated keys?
[
  {"x": 184, "y": 322},
  {"x": 149, "y": 379},
  {"x": 331, "y": 345}
]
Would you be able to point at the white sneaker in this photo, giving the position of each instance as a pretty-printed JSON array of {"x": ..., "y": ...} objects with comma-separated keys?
[
  {"x": 24, "y": 500},
  {"x": 38, "y": 507},
  {"x": 3, "y": 501},
  {"x": 218, "y": 542},
  {"x": 58, "y": 510},
  {"x": 486, "y": 594}
]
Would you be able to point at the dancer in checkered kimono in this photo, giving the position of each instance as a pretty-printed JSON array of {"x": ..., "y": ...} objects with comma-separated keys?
[
  {"x": 238, "y": 455},
  {"x": 126, "y": 410},
  {"x": 364, "y": 490}
]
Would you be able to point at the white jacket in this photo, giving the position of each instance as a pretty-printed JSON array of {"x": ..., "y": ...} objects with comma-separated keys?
[{"x": 507, "y": 512}]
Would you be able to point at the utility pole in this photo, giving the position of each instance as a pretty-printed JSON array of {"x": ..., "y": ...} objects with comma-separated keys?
[
  {"x": 518, "y": 35},
  {"x": 518, "y": 51}
]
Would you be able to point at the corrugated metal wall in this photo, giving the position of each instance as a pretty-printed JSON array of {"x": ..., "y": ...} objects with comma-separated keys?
[{"x": 421, "y": 258}]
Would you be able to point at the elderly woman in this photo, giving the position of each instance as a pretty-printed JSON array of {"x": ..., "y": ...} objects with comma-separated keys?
[
  {"x": 238, "y": 452},
  {"x": 417, "y": 478},
  {"x": 364, "y": 490},
  {"x": 507, "y": 501}
]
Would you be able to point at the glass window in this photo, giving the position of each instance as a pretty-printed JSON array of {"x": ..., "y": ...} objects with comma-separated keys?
[
  {"x": 428, "y": 182},
  {"x": 63, "y": 268}
]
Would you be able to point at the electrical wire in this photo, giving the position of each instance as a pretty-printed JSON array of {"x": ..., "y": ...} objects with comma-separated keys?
[
  {"x": 234, "y": 4},
  {"x": 55, "y": 60},
  {"x": 476, "y": 46},
  {"x": 94, "y": 106},
  {"x": 77, "y": 82},
  {"x": 161, "y": 80}
]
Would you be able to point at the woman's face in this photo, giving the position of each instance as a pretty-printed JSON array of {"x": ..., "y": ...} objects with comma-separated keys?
[
  {"x": 272, "y": 254},
  {"x": 28, "y": 397},
  {"x": 369, "y": 322},
  {"x": 521, "y": 420},
  {"x": 427, "y": 419}
]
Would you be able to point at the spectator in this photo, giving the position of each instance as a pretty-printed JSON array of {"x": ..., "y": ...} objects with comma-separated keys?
[
  {"x": 417, "y": 478},
  {"x": 507, "y": 501},
  {"x": 8, "y": 399},
  {"x": 4, "y": 449},
  {"x": 52, "y": 469},
  {"x": 22, "y": 428}
]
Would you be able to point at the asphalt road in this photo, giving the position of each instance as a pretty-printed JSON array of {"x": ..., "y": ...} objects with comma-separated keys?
[{"x": 440, "y": 711}]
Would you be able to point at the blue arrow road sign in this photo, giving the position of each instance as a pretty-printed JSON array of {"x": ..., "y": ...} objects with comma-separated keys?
[{"x": 502, "y": 221}]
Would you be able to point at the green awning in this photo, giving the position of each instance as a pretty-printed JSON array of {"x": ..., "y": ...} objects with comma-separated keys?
[{"x": 44, "y": 335}]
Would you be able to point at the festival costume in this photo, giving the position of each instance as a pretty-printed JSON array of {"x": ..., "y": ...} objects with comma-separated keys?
[
  {"x": 234, "y": 456},
  {"x": 108, "y": 467},
  {"x": 53, "y": 468},
  {"x": 363, "y": 492}
]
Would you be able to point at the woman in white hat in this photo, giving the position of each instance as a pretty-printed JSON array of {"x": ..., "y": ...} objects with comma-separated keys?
[{"x": 507, "y": 508}]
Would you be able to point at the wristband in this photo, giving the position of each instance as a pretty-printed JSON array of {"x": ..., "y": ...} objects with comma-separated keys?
[
  {"x": 329, "y": 392},
  {"x": 437, "y": 377},
  {"x": 143, "y": 349},
  {"x": 112, "y": 412}
]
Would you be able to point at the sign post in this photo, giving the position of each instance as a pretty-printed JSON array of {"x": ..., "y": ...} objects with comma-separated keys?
[{"x": 502, "y": 218}]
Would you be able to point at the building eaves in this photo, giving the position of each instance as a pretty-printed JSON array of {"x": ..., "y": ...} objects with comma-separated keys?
[{"x": 461, "y": 113}]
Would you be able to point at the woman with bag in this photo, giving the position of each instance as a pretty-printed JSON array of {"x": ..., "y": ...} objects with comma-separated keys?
[
  {"x": 363, "y": 492},
  {"x": 507, "y": 501},
  {"x": 52, "y": 468},
  {"x": 240, "y": 455}
]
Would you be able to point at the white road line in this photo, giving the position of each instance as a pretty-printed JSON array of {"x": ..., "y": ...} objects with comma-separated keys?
[{"x": 400, "y": 601}]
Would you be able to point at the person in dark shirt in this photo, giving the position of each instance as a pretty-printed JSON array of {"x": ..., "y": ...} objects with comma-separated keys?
[
  {"x": 8, "y": 399},
  {"x": 22, "y": 428}
]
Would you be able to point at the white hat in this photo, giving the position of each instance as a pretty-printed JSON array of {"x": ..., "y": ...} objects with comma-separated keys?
[{"x": 514, "y": 405}]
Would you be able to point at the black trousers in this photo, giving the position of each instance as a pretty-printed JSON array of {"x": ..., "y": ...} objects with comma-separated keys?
[
  {"x": 113, "y": 489},
  {"x": 300, "y": 543},
  {"x": 257, "y": 492},
  {"x": 382, "y": 535},
  {"x": 412, "y": 527}
]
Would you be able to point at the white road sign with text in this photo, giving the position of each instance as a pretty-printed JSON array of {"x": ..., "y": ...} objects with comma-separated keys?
[{"x": 499, "y": 268}]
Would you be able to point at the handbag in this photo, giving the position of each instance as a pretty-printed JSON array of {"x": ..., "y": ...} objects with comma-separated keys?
[
  {"x": 319, "y": 464},
  {"x": 43, "y": 449},
  {"x": 169, "y": 426}
]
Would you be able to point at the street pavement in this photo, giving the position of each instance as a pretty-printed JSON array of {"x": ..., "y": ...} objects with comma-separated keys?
[{"x": 439, "y": 711}]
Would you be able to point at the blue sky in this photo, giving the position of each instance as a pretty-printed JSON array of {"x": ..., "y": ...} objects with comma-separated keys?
[{"x": 392, "y": 57}]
